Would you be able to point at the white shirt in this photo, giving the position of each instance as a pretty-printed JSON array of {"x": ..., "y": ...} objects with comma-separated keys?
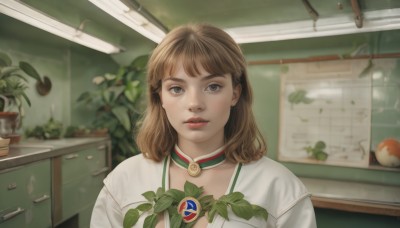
[{"x": 265, "y": 183}]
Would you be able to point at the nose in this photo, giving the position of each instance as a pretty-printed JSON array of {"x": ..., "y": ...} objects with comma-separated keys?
[{"x": 195, "y": 102}]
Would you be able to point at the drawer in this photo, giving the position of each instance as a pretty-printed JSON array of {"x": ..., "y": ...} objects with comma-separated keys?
[
  {"x": 82, "y": 163},
  {"x": 26, "y": 196},
  {"x": 13, "y": 183},
  {"x": 95, "y": 159},
  {"x": 73, "y": 166}
]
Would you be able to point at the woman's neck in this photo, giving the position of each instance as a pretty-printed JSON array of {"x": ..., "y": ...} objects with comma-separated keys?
[{"x": 194, "y": 150}]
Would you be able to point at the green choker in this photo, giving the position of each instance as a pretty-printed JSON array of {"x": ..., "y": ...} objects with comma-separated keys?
[{"x": 185, "y": 207}]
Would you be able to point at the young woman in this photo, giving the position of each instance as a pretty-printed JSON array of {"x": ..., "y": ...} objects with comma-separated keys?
[{"x": 199, "y": 128}]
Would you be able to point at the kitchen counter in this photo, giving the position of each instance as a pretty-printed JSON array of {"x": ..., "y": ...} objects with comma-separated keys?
[
  {"x": 354, "y": 197},
  {"x": 34, "y": 150}
]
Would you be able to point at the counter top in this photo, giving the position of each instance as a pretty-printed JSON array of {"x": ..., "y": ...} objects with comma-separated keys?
[
  {"x": 354, "y": 196},
  {"x": 34, "y": 150}
]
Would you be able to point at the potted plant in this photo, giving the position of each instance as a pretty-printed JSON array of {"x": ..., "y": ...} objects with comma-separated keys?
[
  {"x": 13, "y": 85},
  {"x": 118, "y": 105}
]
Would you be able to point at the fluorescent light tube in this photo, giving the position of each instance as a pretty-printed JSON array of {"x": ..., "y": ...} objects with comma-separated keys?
[
  {"x": 379, "y": 20},
  {"x": 130, "y": 18},
  {"x": 24, "y": 13}
]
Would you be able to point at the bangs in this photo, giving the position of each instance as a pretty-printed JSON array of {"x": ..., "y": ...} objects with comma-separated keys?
[{"x": 196, "y": 54}]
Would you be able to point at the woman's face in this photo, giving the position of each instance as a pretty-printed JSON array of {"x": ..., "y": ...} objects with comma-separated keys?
[{"x": 199, "y": 107}]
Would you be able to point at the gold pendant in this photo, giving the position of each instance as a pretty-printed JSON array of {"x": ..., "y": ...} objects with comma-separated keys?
[{"x": 194, "y": 169}]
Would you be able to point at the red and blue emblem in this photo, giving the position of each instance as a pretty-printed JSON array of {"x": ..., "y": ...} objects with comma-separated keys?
[{"x": 189, "y": 208}]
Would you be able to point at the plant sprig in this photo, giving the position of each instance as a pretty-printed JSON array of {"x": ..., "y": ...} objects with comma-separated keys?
[
  {"x": 299, "y": 96},
  {"x": 161, "y": 200},
  {"x": 317, "y": 151}
]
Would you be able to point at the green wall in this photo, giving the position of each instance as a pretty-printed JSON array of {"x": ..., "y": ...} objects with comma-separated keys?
[
  {"x": 265, "y": 80},
  {"x": 71, "y": 71}
]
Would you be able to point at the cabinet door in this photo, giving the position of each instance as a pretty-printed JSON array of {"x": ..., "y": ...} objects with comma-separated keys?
[
  {"x": 25, "y": 196},
  {"x": 14, "y": 200},
  {"x": 82, "y": 179}
]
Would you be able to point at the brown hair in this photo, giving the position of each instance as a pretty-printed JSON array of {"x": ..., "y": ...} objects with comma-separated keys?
[{"x": 214, "y": 50}]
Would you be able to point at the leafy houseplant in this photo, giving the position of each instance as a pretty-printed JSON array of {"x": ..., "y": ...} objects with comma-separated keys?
[
  {"x": 13, "y": 85},
  {"x": 52, "y": 129},
  {"x": 118, "y": 106}
]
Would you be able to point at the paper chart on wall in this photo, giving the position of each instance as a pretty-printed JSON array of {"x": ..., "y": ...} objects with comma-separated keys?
[{"x": 326, "y": 113}]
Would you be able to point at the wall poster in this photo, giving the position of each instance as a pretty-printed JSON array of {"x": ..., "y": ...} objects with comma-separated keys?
[{"x": 326, "y": 113}]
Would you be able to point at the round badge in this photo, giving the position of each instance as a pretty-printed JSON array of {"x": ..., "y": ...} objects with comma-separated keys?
[
  {"x": 194, "y": 169},
  {"x": 189, "y": 208}
]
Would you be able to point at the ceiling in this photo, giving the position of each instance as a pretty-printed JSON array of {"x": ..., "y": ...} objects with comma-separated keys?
[{"x": 172, "y": 13}]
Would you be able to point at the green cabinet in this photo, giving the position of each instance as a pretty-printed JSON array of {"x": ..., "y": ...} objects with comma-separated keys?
[
  {"x": 81, "y": 174},
  {"x": 25, "y": 195}
]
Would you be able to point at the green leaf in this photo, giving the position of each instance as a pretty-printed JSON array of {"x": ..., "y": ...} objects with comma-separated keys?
[
  {"x": 211, "y": 214},
  {"x": 160, "y": 192},
  {"x": 110, "y": 77},
  {"x": 7, "y": 71},
  {"x": 131, "y": 218},
  {"x": 242, "y": 209},
  {"x": 222, "y": 209},
  {"x": 127, "y": 147},
  {"x": 149, "y": 195},
  {"x": 140, "y": 62},
  {"x": 206, "y": 202},
  {"x": 117, "y": 91},
  {"x": 190, "y": 225},
  {"x": 192, "y": 190},
  {"x": 121, "y": 72},
  {"x": 122, "y": 115},
  {"x": 29, "y": 70},
  {"x": 176, "y": 220},
  {"x": 85, "y": 96},
  {"x": 322, "y": 156},
  {"x": 172, "y": 211},
  {"x": 177, "y": 195},
  {"x": 106, "y": 95},
  {"x": 320, "y": 145},
  {"x": 131, "y": 91},
  {"x": 5, "y": 60},
  {"x": 309, "y": 150},
  {"x": 234, "y": 197},
  {"x": 144, "y": 207},
  {"x": 119, "y": 132},
  {"x": 291, "y": 97},
  {"x": 26, "y": 98},
  {"x": 260, "y": 212},
  {"x": 163, "y": 203},
  {"x": 150, "y": 221},
  {"x": 299, "y": 96}
]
